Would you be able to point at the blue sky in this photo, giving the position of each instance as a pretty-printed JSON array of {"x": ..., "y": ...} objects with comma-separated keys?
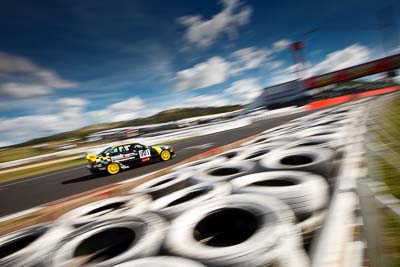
[{"x": 68, "y": 64}]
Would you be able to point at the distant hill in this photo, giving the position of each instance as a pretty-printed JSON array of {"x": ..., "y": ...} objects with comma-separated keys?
[{"x": 161, "y": 117}]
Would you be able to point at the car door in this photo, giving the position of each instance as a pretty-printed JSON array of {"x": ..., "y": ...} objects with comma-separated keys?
[
  {"x": 144, "y": 153},
  {"x": 130, "y": 154},
  {"x": 118, "y": 155}
]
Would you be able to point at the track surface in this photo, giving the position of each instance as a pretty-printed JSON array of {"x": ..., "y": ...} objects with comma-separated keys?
[{"x": 37, "y": 190}]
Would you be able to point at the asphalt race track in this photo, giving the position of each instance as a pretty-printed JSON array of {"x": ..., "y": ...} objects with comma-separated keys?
[{"x": 37, "y": 190}]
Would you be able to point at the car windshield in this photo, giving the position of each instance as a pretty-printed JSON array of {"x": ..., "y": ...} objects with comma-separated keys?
[{"x": 107, "y": 151}]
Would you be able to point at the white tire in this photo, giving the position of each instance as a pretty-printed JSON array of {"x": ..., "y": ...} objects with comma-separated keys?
[
  {"x": 16, "y": 246},
  {"x": 309, "y": 159},
  {"x": 256, "y": 152},
  {"x": 327, "y": 131},
  {"x": 161, "y": 261},
  {"x": 178, "y": 202},
  {"x": 199, "y": 164},
  {"x": 164, "y": 185},
  {"x": 230, "y": 154},
  {"x": 304, "y": 192},
  {"x": 105, "y": 209},
  {"x": 223, "y": 172},
  {"x": 111, "y": 242},
  {"x": 265, "y": 139},
  {"x": 315, "y": 141},
  {"x": 310, "y": 225},
  {"x": 237, "y": 230}
]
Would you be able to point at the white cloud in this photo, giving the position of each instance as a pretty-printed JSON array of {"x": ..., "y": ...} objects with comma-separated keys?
[
  {"x": 131, "y": 108},
  {"x": 213, "y": 71},
  {"x": 71, "y": 115},
  {"x": 22, "y": 78},
  {"x": 248, "y": 58},
  {"x": 243, "y": 91},
  {"x": 275, "y": 64},
  {"x": 72, "y": 102},
  {"x": 347, "y": 57},
  {"x": 343, "y": 58},
  {"x": 205, "y": 100},
  {"x": 217, "y": 70},
  {"x": 20, "y": 90},
  {"x": 203, "y": 33},
  {"x": 281, "y": 45},
  {"x": 28, "y": 127}
]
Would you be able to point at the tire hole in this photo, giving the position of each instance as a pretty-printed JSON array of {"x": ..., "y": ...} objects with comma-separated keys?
[
  {"x": 322, "y": 133},
  {"x": 224, "y": 171},
  {"x": 260, "y": 140},
  {"x": 111, "y": 207},
  {"x": 188, "y": 197},
  {"x": 275, "y": 182},
  {"x": 296, "y": 160},
  {"x": 19, "y": 243},
  {"x": 106, "y": 244},
  {"x": 162, "y": 182},
  {"x": 311, "y": 143},
  {"x": 226, "y": 227},
  {"x": 230, "y": 155},
  {"x": 258, "y": 154}
]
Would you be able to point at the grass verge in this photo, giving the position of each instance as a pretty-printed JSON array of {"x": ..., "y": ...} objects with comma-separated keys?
[
  {"x": 19, "y": 174},
  {"x": 389, "y": 122}
]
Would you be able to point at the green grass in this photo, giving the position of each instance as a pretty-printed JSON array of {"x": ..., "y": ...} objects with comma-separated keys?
[
  {"x": 391, "y": 238},
  {"x": 390, "y": 122},
  {"x": 19, "y": 174},
  {"x": 18, "y": 153}
]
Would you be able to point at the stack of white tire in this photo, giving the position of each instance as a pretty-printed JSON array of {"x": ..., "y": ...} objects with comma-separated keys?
[{"x": 254, "y": 206}]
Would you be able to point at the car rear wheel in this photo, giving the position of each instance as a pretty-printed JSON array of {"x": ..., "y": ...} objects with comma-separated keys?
[
  {"x": 113, "y": 168},
  {"x": 165, "y": 155}
]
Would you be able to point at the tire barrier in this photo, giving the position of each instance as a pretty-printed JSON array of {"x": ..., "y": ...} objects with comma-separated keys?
[
  {"x": 104, "y": 209},
  {"x": 268, "y": 138},
  {"x": 328, "y": 131},
  {"x": 304, "y": 192},
  {"x": 164, "y": 185},
  {"x": 17, "y": 246},
  {"x": 256, "y": 205},
  {"x": 237, "y": 230},
  {"x": 161, "y": 261},
  {"x": 230, "y": 153},
  {"x": 178, "y": 202},
  {"x": 199, "y": 164},
  {"x": 257, "y": 152},
  {"x": 110, "y": 242},
  {"x": 309, "y": 225},
  {"x": 223, "y": 172},
  {"x": 315, "y": 141},
  {"x": 310, "y": 159}
]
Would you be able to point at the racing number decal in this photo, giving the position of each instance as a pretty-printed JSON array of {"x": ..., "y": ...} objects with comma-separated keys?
[{"x": 144, "y": 153}]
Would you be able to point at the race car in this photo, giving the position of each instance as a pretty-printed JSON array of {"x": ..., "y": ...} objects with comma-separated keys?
[{"x": 116, "y": 158}]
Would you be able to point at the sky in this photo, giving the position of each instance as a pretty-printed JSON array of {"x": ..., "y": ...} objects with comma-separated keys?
[{"x": 69, "y": 64}]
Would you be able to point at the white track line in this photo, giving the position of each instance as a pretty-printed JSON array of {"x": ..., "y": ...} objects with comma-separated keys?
[
  {"x": 18, "y": 214},
  {"x": 39, "y": 177}
]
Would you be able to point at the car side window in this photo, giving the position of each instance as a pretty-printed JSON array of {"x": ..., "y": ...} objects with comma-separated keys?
[
  {"x": 121, "y": 149},
  {"x": 113, "y": 151},
  {"x": 139, "y": 147}
]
